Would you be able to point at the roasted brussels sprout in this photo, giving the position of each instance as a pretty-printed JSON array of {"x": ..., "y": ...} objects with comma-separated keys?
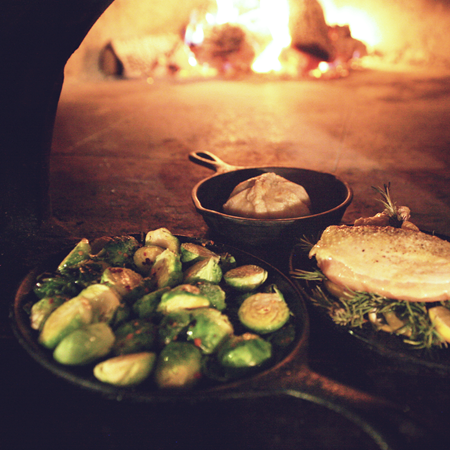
[
  {"x": 85, "y": 345},
  {"x": 145, "y": 257},
  {"x": 264, "y": 312},
  {"x": 173, "y": 325},
  {"x": 70, "y": 316},
  {"x": 191, "y": 253},
  {"x": 208, "y": 329},
  {"x": 167, "y": 270},
  {"x": 162, "y": 237},
  {"x": 178, "y": 366},
  {"x": 81, "y": 252},
  {"x": 126, "y": 370},
  {"x": 42, "y": 309},
  {"x": 214, "y": 293},
  {"x": 184, "y": 296},
  {"x": 117, "y": 251},
  {"x": 147, "y": 304},
  {"x": 122, "y": 279},
  {"x": 103, "y": 299},
  {"x": 50, "y": 285},
  {"x": 135, "y": 336},
  {"x": 245, "y": 351},
  {"x": 245, "y": 278},
  {"x": 204, "y": 270}
]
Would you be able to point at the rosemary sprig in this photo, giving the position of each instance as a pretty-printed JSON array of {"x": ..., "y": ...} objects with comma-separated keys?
[{"x": 390, "y": 207}]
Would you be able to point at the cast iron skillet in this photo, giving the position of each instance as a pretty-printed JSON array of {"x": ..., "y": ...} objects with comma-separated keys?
[
  {"x": 329, "y": 196},
  {"x": 289, "y": 376}
]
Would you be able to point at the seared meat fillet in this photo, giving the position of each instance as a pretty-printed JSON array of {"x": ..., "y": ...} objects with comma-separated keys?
[{"x": 392, "y": 262}]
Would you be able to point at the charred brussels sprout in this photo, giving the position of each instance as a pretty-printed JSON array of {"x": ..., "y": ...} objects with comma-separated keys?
[
  {"x": 81, "y": 252},
  {"x": 184, "y": 296},
  {"x": 50, "y": 285},
  {"x": 191, "y": 253},
  {"x": 227, "y": 262},
  {"x": 85, "y": 345},
  {"x": 147, "y": 304},
  {"x": 173, "y": 325},
  {"x": 246, "y": 278},
  {"x": 214, "y": 293},
  {"x": 204, "y": 270},
  {"x": 145, "y": 257},
  {"x": 70, "y": 316},
  {"x": 117, "y": 251},
  {"x": 162, "y": 237},
  {"x": 178, "y": 366},
  {"x": 126, "y": 370},
  {"x": 208, "y": 329},
  {"x": 42, "y": 309},
  {"x": 135, "y": 336},
  {"x": 167, "y": 270},
  {"x": 245, "y": 351},
  {"x": 122, "y": 279},
  {"x": 264, "y": 312}
]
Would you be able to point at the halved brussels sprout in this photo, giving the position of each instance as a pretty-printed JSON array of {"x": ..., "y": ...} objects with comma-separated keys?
[
  {"x": 145, "y": 257},
  {"x": 178, "y": 366},
  {"x": 172, "y": 325},
  {"x": 264, "y": 312},
  {"x": 162, "y": 237},
  {"x": 42, "y": 309},
  {"x": 122, "y": 279},
  {"x": 245, "y": 278},
  {"x": 81, "y": 252},
  {"x": 70, "y": 316},
  {"x": 245, "y": 351},
  {"x": 135, "y": 336},
  {"x": 191, "y": 252},
  {"x": 103, "y": 299},
  {"x": 147, "y": 304},
  {"x": 214, "y": 293},
  {"x": 117, "y": 251},
  {"x": 204, "y": 270},
  {"x": 208, "y": 329},
  {"x": 126, "y": 370},
  {"x": 167, "y": 270},
  {"x": 184, "y": 296},
  {"x": 85, "y": 345}
]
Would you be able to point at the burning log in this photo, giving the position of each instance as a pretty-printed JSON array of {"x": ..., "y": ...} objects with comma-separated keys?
[
  {"x": 226, "y": 48},
  {"x": 309, "y": 31}
]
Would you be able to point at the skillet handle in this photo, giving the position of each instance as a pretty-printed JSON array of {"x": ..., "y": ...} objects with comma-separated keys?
[
  {"x": 211, "y": 161},
  {"x": 388, "y": 423}
]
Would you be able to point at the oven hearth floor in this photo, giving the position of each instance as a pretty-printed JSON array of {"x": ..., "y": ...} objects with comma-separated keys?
[{"x": 120, "y": 150}]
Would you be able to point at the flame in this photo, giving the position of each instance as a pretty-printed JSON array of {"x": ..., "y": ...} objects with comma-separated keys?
[
  {"x": 275, "y": 14},
  {"x": 362, "y": 26}
]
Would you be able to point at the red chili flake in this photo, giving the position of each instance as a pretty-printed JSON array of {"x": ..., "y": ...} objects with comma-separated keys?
[
  {"x": 50, "y": 301},
  {"x": 129, "y": 336},
  {"x": 197, "y": 342},
  {"x": 197, "y": 375},
  {"x": 138, "y": 331}
]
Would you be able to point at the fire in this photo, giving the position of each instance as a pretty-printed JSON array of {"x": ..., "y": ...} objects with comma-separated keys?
[
  {"x": 262, "y": 26},
  {"x": 363, "y": 27},
  {"x": 275, "y": 14}
]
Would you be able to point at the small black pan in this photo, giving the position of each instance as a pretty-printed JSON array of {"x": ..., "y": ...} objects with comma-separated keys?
[{"x": 329, "y": 196}]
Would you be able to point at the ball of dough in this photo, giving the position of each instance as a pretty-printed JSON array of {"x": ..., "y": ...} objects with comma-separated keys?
[{"x": 268, "y": 196}]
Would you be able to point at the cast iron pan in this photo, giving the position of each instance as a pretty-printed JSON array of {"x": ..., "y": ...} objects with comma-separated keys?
[
  {"x": 329, "y": 196},
  {"x": 385, "y": 344},
  {"x": 289, "y": 376}
]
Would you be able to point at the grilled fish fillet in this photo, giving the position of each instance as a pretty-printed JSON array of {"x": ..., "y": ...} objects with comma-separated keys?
[{"x": 392, "y": 262}]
